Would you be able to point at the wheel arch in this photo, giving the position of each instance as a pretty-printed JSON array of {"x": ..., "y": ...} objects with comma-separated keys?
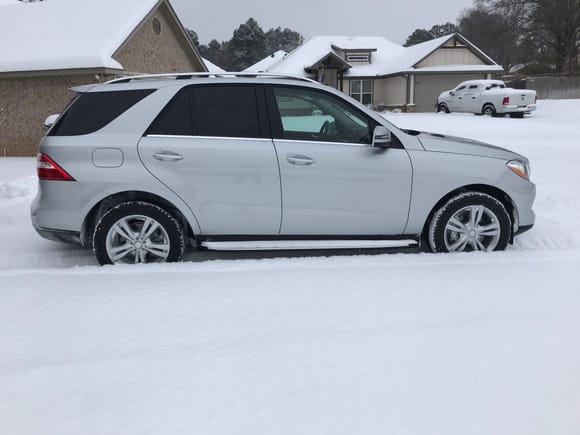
[
  {"x": 493, "y": 191},
  {"x": 108, "y": 202},
  {"x": 488, "y": 104}
]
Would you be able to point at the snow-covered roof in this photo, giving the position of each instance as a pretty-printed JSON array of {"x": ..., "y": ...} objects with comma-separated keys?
[
  {"x": 212, "y": 67},
  {"x": 387, "y": 59},
  {"x": 67, "y": 34},
  {"x": 316, "y": 48},
  {"x": 267, "y": 62}
]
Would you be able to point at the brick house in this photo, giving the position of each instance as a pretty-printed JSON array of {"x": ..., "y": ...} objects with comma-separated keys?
[{"x": 65, "y": 44}]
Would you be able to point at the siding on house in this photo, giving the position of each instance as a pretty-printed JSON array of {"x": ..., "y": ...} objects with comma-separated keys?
[
  {"x": 391, "y": 91},
  {"x": 450, "y": 56}
]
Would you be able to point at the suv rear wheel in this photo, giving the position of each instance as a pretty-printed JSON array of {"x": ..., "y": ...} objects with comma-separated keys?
[
  {"x": 471, "y": 221},
  {"x": 138, "y": 232}
]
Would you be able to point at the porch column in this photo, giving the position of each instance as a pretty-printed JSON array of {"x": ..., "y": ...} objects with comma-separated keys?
[{"x": 411, "y": 80}]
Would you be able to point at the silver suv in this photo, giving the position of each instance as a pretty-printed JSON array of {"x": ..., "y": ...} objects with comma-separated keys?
[{"x": 141, "y": 167}]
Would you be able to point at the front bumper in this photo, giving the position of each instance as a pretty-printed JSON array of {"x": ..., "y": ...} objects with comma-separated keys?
[
  {"x": 522, "y": 193},
  {"x": 524, "y": 228}
]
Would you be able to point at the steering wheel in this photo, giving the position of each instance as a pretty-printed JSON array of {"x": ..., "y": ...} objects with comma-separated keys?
[{"x": 324, "y": 129}]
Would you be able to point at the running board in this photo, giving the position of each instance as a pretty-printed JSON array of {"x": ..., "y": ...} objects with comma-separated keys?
[{"x": 283, "y": 245}]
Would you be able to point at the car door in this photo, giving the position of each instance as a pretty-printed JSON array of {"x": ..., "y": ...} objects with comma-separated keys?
[
  {"x": 457, "y": 101},
  {"x": 333, "y": 181},
  {"x": 470, "y": 98},
  {"x": 212, "y": 146}
]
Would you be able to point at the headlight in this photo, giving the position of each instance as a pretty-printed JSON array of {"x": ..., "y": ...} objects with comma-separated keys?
[{"x": 520, "y": 168}]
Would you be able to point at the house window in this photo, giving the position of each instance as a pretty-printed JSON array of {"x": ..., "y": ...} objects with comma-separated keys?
[
  {"x": 362, "y": 90},
  {"x": 156, "y": 26},
  {"x": 359, "y": 57}
]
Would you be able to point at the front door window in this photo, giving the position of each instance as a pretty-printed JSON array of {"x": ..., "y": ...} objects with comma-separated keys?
[{"x": 315, "y": 116}]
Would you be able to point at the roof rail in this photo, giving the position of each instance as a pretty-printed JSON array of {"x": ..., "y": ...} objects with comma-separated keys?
[{"x": 186, "y": 76}]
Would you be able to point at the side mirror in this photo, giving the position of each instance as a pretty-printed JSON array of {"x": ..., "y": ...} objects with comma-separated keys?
[
  {"x": 451, "y": 93},
  {"x": 381, "y": 137},
  {"x": 50, "y": 120}
]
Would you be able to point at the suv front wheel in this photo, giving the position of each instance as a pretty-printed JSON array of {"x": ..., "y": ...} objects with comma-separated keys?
[
  {"x": 471, "y": 221},
  {"x": 138, "y": 232}
]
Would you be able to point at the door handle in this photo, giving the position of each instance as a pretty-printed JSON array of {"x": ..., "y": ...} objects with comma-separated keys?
[
  {"x": 297, "y": 159},
  {"x": 166, "y": 156},
  {"x": 473, "y": 98}
]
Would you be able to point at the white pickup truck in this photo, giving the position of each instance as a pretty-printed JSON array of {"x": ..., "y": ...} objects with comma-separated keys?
[{"x": 487, "y": 97}]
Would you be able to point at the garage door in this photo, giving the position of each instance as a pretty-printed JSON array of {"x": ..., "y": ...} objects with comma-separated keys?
[{"x": 428, "y": 88}]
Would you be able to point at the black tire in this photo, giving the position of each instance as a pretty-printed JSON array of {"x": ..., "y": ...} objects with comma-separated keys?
[
  {"x": 168, "y": 229},
  {"x": 495, "y": 214},
  {"x": 516, "y": 115},
  {"x": 488, "y": 109},
  {"x": 442, "y": 107}
]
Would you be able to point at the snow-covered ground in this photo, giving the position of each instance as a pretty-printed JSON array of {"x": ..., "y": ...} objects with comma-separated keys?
[{"x": 397, "y": 343}]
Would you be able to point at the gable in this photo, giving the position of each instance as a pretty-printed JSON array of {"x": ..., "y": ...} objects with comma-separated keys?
[
  {"x": 450, "y": 56},
  {"x": 158, "y": 45},
  {"x": 455, "y": 51}
]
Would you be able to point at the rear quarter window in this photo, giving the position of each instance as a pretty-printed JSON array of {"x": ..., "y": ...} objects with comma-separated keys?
[{"x": 92, "y": 111}]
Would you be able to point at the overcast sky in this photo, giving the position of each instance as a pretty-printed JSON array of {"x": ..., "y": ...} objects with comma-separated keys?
[{"x": 392, "y": 19}]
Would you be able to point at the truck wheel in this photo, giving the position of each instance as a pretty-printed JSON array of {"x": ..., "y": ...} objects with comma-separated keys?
[
  {"x": 488, "y": 110},
  {"x": 442, "y": 108}
]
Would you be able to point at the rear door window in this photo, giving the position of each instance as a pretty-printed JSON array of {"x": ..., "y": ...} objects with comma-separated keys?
[
  {"x": 226, "y": 111},
  {"x": 94, "y": 110}
]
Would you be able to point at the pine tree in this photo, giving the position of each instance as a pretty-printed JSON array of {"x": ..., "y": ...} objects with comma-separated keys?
[{"x": 247, "y": 46}]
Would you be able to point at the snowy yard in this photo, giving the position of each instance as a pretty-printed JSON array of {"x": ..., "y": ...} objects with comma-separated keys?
[{"x": 412, "y": 344}]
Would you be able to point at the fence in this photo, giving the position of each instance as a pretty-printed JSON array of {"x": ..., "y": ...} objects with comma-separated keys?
[{"x": 548, "y": 87}]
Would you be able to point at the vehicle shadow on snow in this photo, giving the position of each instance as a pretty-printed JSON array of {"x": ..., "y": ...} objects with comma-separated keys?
[{"x": 201, "y": 255}]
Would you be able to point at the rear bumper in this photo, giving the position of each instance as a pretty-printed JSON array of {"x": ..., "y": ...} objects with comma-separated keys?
[
  {"x": 59, "y": 235},
  {"x": 519, "y": 109}
]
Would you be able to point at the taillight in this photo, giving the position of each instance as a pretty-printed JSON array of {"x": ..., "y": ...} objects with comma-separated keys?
[
  {"x": 48, "y": 169},
  {"x": 506, "y": 101}
]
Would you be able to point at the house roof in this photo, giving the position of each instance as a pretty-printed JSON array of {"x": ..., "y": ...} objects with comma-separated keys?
[
  {"x": 387, "y": 58},
  {"x": 316, "y": 48},
  {"x": 67, "y": 34},
  {"x": 212, "y": 67},
  {"x": 267, "y": 62}
]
